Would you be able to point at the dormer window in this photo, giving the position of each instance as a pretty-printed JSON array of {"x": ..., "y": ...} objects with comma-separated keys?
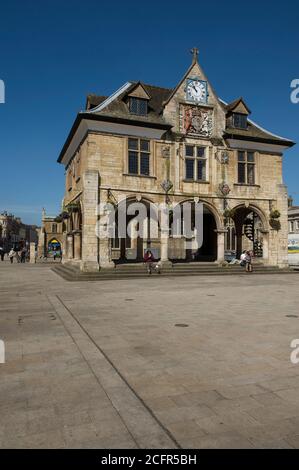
[
  {"x": 240, "y": 121},
  {"x": 138, "y": 106}
]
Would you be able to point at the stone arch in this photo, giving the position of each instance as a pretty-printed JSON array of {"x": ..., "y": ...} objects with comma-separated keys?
[
  {"x": 208, "y": 251},
  {"x": 132, "y": 249},
  {"x": 218, "y": 217},
  {"x": 254, "y": 208},
  {"x": 260, "y": 237},
  {"x": 54, "y": 246}
]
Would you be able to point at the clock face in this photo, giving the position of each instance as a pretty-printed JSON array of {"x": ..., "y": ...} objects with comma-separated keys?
[{"x": 196, "y": 90}]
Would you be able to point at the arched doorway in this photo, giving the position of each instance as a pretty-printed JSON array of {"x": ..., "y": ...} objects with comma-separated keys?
[
  {"x": 182, "y": 250},
  {"x": 249, "y": 231},
  {"x": 54, "y": 248},
  {"x": 132, "y": 248}
]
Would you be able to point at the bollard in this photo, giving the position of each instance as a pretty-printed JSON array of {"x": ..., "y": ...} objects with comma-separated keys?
[{"x": 32, "y": 253}]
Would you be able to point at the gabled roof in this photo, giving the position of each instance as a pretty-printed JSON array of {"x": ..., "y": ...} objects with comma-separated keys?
[
  {"x": 116, "y": 105},
  {"x": 254, "y": 132},
  {"x": 234, "y": 104},
  {"x": 174, "y": 90},
  {"x": 115, "y": 109},
  {"x": 94, "y": 100},
  {"x": 139, "y": 91}
]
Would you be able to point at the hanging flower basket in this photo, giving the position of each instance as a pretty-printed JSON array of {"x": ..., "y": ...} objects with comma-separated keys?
[
  {"x": 73, "y": 207},
  {"x": 65, "y": 215},
  {"x": 274, "y": 214},
  {"x": 275, "y": 224}
]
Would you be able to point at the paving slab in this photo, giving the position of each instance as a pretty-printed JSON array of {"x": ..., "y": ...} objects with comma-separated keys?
[{"x": 107, "y": 365}]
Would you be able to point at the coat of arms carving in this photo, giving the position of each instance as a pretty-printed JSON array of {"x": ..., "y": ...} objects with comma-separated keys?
[{"x": 196, "y": 120}]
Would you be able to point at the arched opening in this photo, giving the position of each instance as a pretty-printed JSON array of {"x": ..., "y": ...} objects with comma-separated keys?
[
  {"x": 181, "y": 246},
  {"x": 139, "y": 234},
  {"x": 246, "y": 231},
  {"x": 186, "y": 249},
  {"x": 54, "y": 248}
]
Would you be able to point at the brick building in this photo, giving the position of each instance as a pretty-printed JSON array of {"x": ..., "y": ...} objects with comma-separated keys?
[{"x": 152, "y": 144}]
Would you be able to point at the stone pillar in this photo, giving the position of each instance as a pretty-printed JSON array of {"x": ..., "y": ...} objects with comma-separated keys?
[
  {"x": 220, "y": 244},
  {"x": 282, "y": 235},
  {"x": 41, "y": 242},
  {"x": 64, "y": 248},
  {"x": 164, "y": 247},
  {"x": 70, "y": 246},
  {"x": 90, "y": 241},
  {"x": 265, "y": 246},
  {"x": 77, "y": 245},
  {"x": 105, "y": 253},
  {"x": 32, "y": 253}
]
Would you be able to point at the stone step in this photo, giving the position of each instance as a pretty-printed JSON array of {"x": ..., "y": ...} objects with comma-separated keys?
[
  {"x": 174, "y": 270},
  {"x": 75, "y": 275}
]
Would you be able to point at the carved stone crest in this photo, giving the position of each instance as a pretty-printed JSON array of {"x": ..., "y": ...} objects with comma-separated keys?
[
  {"x": 225, "y": 189},
  {"x": 224, "y": 158},
  {"x": 196, "y": 120}
]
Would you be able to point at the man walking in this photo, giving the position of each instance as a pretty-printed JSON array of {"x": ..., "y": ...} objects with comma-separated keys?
[{"x": 2, "y": 253}]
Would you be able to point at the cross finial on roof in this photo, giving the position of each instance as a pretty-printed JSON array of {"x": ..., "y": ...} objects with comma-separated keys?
[{"x": 194, "y": 52}]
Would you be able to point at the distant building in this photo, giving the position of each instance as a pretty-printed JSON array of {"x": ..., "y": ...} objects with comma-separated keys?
[
  {"x": 14, "y": 233},
  {"x": 293, "y": 238},
  {"x": 293, "y": 217},
  {"x": 50, "y": 236}
]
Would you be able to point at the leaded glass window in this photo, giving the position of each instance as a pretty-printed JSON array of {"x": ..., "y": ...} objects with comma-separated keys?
[
  {"x": 139, "y": 156},
  {"x": 195, "y": 163}
]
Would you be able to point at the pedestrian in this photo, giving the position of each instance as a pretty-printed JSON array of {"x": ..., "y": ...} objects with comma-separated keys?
[
  {"x": 17, "y": 256},
  {"x": 148, "y": 260},
  {"x": 2, "y": 253},
  {"x": 23, "y": 255},
  {"x": 243, "y": 259},
  {"x": 248, "y": 261},
  {"x": 11, "y": 255}
]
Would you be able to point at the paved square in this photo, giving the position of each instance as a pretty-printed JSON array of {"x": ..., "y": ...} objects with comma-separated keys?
[{"x": 103, "y": 364}]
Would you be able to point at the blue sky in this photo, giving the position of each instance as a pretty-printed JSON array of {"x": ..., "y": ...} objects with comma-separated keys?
[{"x": 52, "y": 54}]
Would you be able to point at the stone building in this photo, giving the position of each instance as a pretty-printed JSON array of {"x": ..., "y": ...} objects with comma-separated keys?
[
  {"x": 293, "y": 216},
  {"x": 50, "y": 237},
  {"x": 293, "y": 239},
  {"x": 159, "y": 145},
  {"x": 14, "y": 233}
]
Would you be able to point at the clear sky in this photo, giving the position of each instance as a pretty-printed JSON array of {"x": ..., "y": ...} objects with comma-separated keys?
[{"x": 53, "y": 53}]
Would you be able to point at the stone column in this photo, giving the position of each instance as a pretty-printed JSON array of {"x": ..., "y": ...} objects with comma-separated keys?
[
  {"x": 265, "y": 234},
  {"x": 77, "y": 245},
  {"x": 90, "y": 241},
  {"x": 164, "y": 247},
  {"x": 105, "y": 253},
  {"x": 70, "y": 247},
  {"x": 64, "y": 248},
  {"x": 104, "y": 239},
  {"x": 32, "y": 253},
  {"x": 41, "y": 242},
  {"x": 220, "y": 244}
]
